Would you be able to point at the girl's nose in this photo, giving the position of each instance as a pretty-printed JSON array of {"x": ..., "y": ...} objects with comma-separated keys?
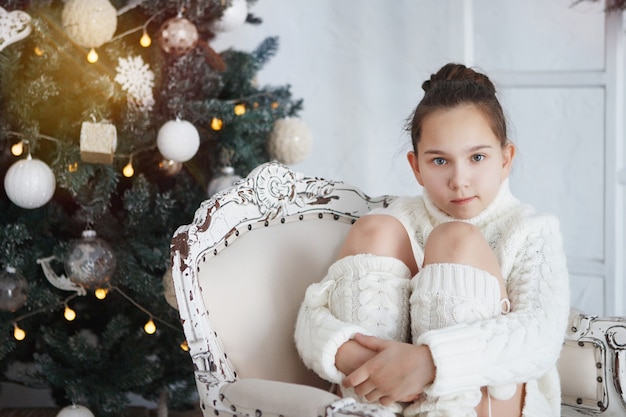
[{"x": 459, "y": 178}]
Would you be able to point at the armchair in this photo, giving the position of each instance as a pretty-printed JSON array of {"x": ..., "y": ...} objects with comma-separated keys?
[{"x": 241, "y": 268}]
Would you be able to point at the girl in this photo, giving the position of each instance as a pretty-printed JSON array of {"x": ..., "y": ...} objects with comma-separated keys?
[{"x": 412, "y": 311}]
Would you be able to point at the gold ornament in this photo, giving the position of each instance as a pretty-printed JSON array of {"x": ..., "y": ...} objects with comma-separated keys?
[{"x": 97, "y": 142}]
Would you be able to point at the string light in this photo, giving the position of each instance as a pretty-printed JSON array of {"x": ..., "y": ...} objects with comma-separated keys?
[
  {"x": 69, "y": 314},
  {"x": 274, "y": 105},
  {"x": 18, "y": 148},
  {"x": 216, "y": 124},
  {"x": 92, "y": 56},
  {"x": 101, "y": 293},
  {"x": 150, "y": 327},
  {"x": 72, "y": 167},
  {"x": 128, "y": 170},
  {"x": 145, "y": 40},
  {"x": 240, "y": 109},
  {"x": 184, "y": 346},
  {"x": 18, "y": 334},
  {"x": 38, "y": 51}
]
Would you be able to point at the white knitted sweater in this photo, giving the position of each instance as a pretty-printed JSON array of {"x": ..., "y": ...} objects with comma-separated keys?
[{"x": 522, "y": 346}]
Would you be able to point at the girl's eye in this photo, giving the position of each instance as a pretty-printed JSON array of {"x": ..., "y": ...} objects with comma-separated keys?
[
  {"x": 439, "y": 161},
  {"x": 478, "y": 157}
]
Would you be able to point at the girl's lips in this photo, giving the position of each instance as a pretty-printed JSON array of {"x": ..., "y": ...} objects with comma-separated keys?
[{"x": 461, "y": 201}]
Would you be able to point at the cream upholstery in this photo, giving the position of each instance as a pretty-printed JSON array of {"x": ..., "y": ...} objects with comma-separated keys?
[{"x": 240, "y": 270}]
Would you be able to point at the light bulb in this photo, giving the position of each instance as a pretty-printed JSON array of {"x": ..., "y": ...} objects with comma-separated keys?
[
  {"x": 150, "y": 327},
  {"x": 240, "y": 109},
  {"x": 184, "y": 346},
  {"x": 216, "y": 124},
  {"x": 18, "y": 148},
  {"x": 18, "y": 334},
  {"x": 72, "y": 167},
  {"x": 38, "y": 51},
  {"x": 145, "y": 40},
  {"x": 69, "y": 314},
  {"x": 128, "y": 170},
  {"x": 92, "y": 56},
  {"x": 274, "y": 105},
  {"x": 101, "y": 293}
]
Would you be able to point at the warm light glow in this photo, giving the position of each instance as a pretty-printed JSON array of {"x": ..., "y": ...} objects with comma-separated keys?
[
  {"x": 72, "y": 167},
  {"x": 69, "y": 314},
  {"x": 18, "y": 334},
  {"x": 101, "y": 293},
  {"x": 38, "y": 51},
  {"x": 240, "y": 109},
  {"x": 92, "y": 56},
  {"x": 18, "y": 148},
  {"x": 184, "y": 346},
  {"x": 275, "y": 105},
  {"x": 145, "y": 40},
  {"x": 150, "y": 327},
  {"x": 216, "y": 124},
  {"x": 128, "y": 170}
]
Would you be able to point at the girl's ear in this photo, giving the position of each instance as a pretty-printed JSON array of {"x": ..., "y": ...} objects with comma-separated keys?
[
  {"x": 415, "y": 166},
  {"x": 508, "y": 154}
]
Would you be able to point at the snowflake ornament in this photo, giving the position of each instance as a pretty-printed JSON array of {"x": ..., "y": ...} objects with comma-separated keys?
[{"x": 137, "y": 79}]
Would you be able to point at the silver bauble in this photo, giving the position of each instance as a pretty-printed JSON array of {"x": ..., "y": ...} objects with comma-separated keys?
[
  {"x": 90, "y": 261},
  {"x": 13, "y": 290}
]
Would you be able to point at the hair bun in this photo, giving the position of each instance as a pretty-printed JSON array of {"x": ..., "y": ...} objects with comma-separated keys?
[{"x": 458, "y": 73}]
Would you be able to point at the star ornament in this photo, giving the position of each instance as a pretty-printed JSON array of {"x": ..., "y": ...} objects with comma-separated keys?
[{"x": 14, "y": 26}]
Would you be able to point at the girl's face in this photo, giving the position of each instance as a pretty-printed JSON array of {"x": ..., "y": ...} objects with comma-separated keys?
[{"x": 459, "y": 161}]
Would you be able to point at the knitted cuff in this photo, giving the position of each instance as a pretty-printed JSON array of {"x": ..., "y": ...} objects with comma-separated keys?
[
  {"x": 445, "y": 294},
  {"x": 457, "y": 352}
]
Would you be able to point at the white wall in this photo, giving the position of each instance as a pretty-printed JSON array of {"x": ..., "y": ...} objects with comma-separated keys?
[{"x": 359, "y": 64}]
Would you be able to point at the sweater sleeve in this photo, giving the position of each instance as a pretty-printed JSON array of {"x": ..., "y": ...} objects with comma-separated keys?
[
  {"x": 319, "y": 332},
  {"x": 519, "y": 346}
]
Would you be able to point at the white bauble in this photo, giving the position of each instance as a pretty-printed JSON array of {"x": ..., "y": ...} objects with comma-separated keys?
[
  {"x": 90, "y": 23},
  {"x": 290, "y": 140},
  {"x": 223, "y": 181},
  {"x": 168, "y": 289},
  {"x": 232, "y": 18},
  {"x": 75, "y": 411},
  {"x": 178, "y": 140},
  {"x": 29, "y": 183}
]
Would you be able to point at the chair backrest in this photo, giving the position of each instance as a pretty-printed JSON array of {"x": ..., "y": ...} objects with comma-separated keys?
[{"x": 241, "y": 268}]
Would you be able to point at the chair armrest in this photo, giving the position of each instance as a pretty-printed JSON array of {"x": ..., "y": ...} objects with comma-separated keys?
[{"x": 256, "y": 397}]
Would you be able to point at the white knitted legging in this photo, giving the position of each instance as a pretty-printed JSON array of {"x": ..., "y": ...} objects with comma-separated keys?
[{"x": 444, "y": 295}]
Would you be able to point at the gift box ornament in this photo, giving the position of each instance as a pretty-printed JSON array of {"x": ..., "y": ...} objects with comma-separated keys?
[{"x": 97, "y": 142}]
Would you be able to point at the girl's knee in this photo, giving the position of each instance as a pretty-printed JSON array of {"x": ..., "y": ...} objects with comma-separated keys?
[
  {"x": 454, "y": 242},
  {"x": 462, "y": 243}
]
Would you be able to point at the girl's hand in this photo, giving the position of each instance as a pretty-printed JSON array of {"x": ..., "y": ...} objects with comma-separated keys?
[
  {"x": 398, "y": 372},
  {"x": 352, "y": 355}
]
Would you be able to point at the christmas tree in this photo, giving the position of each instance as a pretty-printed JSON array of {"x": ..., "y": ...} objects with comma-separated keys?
[{"x": 116, "y": 117}]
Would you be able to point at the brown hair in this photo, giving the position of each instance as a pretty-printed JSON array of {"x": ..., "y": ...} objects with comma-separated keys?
[{"x": 454, "y": 85}]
